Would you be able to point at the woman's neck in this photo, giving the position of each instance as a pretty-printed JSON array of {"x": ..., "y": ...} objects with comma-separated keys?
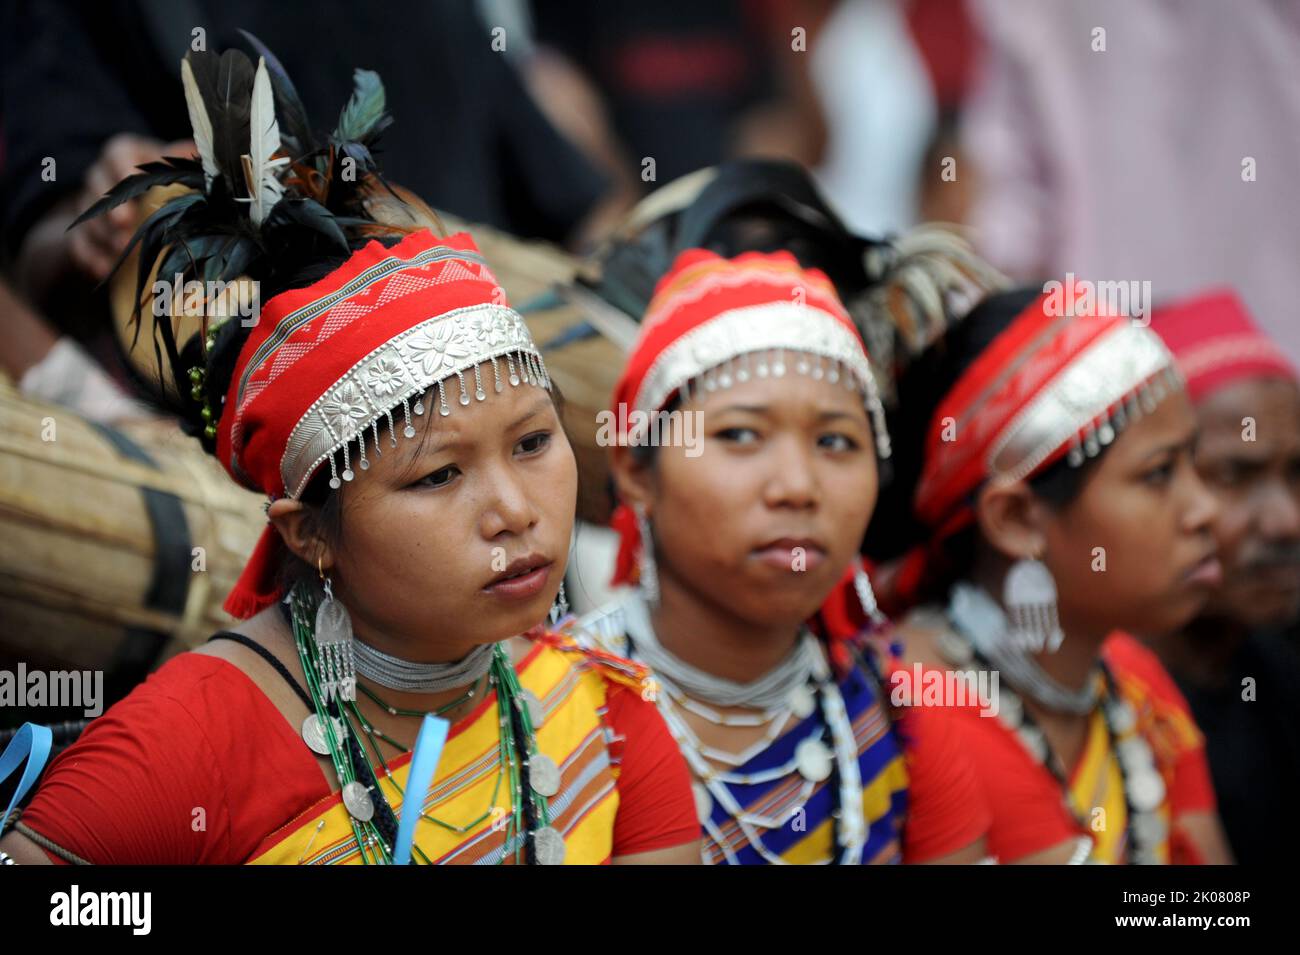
[
  {"x": 422, "y": 651},
  {"x": 711, "y": 638}
]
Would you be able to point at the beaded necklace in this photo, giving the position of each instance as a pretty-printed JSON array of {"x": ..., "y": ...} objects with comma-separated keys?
[
  {"x": 528, "y": 833},
  {"x": 1143, "y": 787},
  {"x": 828, "y": 753}
]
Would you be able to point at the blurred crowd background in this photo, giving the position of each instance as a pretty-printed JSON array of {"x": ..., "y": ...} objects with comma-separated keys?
[
  {"x": 1115, "y": 139},
  {"x": 1149, "y": 141}
]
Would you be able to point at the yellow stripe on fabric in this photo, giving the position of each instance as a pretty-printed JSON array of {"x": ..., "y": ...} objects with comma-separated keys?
[
  {"x": 1099, "y": 785},
  {"x": 877, "y": 800},
  {"x": 464, "y": 785}
]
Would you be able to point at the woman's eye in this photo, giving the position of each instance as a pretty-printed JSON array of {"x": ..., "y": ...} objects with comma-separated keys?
[
  {"x": 837, "y": 442},
  {"x": 440, "y": 478},
  {"x": 1228, "y": 475},
  {"x": 534, "y": 442},
  {"x": 738, "y": 435},
  {"x": 1159, "y": 475}
]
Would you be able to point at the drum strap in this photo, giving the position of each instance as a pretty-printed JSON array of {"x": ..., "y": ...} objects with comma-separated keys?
[{"x": 170, "y": 583}]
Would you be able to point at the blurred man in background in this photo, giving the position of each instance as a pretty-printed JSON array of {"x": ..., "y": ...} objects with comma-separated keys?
[{"x": 1238, "y": 663}]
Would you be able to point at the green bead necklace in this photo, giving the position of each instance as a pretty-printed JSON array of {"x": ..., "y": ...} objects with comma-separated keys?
[{"x": 528, "y": 820}]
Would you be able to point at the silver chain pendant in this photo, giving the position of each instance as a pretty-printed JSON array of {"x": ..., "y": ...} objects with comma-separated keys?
[
  {"x": 334, "y": 656},
  {"x": 548, "y": 846},
  {"x": 543, "y": 775},
  {"x": 313, "y": 734},
  {"x": 358, "y": 802},
  {"x": 528, "y": 699}
]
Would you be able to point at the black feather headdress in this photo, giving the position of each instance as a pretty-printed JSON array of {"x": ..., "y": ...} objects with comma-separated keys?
[{"x": 264, "y": 198}]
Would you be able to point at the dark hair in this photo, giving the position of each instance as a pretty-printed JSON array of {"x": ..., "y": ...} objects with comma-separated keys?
[{"x": 894, "y": 528}]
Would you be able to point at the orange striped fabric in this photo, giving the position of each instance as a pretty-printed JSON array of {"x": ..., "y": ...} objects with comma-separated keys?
[{"x": 572, "y": 688}]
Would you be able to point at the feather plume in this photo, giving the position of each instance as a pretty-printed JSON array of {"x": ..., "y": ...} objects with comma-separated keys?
[
  {"x": 264, "y": 189},
  {"x": 922, "y": 283},
  {"x": 301, "y": 208},
  {"x": 295, "y": 128},
  {"x": 199, "y": 123},
  {"x": 226, "y": 85},
  {"x": 363, "y": 117},
  {"x": 170, "y": 170}
]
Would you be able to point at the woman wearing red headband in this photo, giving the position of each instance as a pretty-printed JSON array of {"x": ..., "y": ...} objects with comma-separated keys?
[
  {"x": 399, "y": 416},
  {"x": 746, "y": 429},
  {"x": 1057, "y": 503}
]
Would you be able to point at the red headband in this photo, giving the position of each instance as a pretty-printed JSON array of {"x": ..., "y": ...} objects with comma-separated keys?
[
  {"x": 713, "y": 321},
  {"x": 1216, "y": 344},
  {"x": 328, "y": 362},
  {"x": 1049, "y": 384}
]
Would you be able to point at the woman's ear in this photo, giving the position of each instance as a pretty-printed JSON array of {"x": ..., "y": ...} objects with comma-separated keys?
[
  {"x": 633, "y": 478},
  {"x": 1012, "y": 519},
  {"x": 300, "y": 531}
]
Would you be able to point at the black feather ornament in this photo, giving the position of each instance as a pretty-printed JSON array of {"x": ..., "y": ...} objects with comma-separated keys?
[{"x": 263, "y": 200}]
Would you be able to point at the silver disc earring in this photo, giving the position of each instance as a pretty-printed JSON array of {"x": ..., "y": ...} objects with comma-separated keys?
[
  {"x": 1029, "y": 595},
  {"x": 649, "y": 576},
  {"x": 867, "y": 596},
  {"x": 334, "y": 656},
  {"x": 560, "y": 608}
]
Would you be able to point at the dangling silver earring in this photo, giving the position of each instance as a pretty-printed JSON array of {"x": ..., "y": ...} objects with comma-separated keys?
[
  {"x": 867, "y": 596},
  {"x": 334, "y": 656},
  {"x": 560, "y": 608},
  {"x": 649, "y": 577},
  {"x": 1029, "y": 595}
]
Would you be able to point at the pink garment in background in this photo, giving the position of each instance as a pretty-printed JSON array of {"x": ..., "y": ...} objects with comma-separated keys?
[{"x": 1127, "y": 164}]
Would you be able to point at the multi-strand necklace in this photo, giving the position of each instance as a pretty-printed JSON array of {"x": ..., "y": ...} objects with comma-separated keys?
[
  {"x": 533, "y": 777},
  {"x": 797, "y": 688},
  {"x": 1143, "y": 786}
]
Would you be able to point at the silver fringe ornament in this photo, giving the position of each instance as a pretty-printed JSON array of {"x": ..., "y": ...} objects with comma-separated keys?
[
  {"x": 867, "y": 596},
  {"x": 560, "y": 608},
  {"x": 649, "y": 576},
  {"x": 1029, "y": 596},
  {"x": 335, "y": 658}
]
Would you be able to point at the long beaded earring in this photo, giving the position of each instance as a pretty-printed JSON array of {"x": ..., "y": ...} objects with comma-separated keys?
[
  {"x": 560, "y": 608},
  {"x": 333, "y": 637},
  {"x": 649, "y": 576},
  {"x": 867, "y": 596},
  {"x": 1029, "y": 595}
]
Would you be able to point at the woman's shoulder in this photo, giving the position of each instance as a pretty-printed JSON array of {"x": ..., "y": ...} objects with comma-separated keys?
[
  {"x": 590, "y": 655},
  {"x": 1138, "y": 670},
  {"x": 189, "y": 681}
]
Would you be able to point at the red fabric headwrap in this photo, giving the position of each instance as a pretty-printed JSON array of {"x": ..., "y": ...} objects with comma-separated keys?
[
  {"x": 729, "y": 307},
  {"x": 1057, "y": 377},
  {"x": 1216, "y": 343},
  {"x": 306, "y": 340}
]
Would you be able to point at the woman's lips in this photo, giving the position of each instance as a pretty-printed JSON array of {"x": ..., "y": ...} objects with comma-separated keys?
[
  {"x": 523, "y": 587},
  {"x": 1206, "y": 573},
  {"x": 791, "y": 555}
]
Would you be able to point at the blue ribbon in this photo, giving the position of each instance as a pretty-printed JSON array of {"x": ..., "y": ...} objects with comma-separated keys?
[
  {"x": 424, "y": 761},
  {"x": 30, "y": 743}
]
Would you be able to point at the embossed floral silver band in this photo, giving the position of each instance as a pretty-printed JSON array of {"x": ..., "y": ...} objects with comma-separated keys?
[
  {"x": 1120, "y": 376},
  {"x": 760, "y": 341},
  {"x": 396, "y": 374}
]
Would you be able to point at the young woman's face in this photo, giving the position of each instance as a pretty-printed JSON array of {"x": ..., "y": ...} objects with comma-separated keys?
[
  {"x": 429, "y": 530},
  {"x": 766, "y": 515},
  {"x": 1135, "y": 550}
]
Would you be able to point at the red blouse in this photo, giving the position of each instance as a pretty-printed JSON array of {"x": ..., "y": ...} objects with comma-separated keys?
[{"x": 197, "y": 765}]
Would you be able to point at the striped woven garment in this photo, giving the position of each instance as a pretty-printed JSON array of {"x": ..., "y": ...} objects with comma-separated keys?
[
  {"x": 1097, "y": 783},
  {"x": 806, "y": 835},
  {"x": 573, "y": 732}
]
